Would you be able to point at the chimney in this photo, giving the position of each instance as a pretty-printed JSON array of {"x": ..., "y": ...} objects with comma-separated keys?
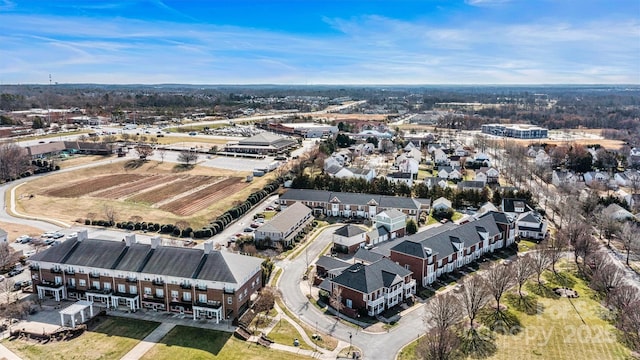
[
  {"x": 129, "y": 239},
  {"x": 156, "y": 242},
  {"x": 208, "y": 247},
  {"x": 82, "y": 235}
]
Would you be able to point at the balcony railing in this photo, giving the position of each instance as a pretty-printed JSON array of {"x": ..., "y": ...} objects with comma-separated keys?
[
  {"x": 185, "y": 286},
  {"x": 158, "y": 282},
  {"x": 56, "y": 271},
  {"x": 132, "y": 280},
  {"x": 229, "y": 291},
  {"x": 34, "y": 267},
  {"x": 69, "y": 271},
  {"x": 201, "y": 287},
  {"x": 94, "y": 275}
]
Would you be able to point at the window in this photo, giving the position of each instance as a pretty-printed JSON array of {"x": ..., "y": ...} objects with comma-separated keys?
[
  {"x": 202, "y": 298},
  {"x": 95, "y": 285},
  {"x": 159, "y": 293},
  {"x": 174, "y": 294},
  {"x": 133, "y": 289},
  {"x": 121, "y": 288},
  {"x": 229, "y": 300},
  {"x": 407, "y": 266},
  {"x": 349, "y": 303},
  {"x": 107, "y": 285},
  {"x": 82, "y": 282},
  {"x": 58, "y": 280},
  {"x": 147, "y": 291},
  {"x": 186, "y": 296}
]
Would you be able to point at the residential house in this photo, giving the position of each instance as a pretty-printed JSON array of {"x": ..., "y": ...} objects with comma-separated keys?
[
  {"x": 460, "y": 151},
  {"x": 407, "y": 164},
  {"x": 415, "y": 154},
  {"x": 471, "y": 185},
  {"x": 531, "y": 225},
  {"x": 201, "y": 282},
  {"x": 488, "y": 175},
  {"x": 393, "y": 221},
  {"x": 3, "y": 236},
  {"x": 440, "y": 158},
  {"x": 448, "y": 172},
  {"x": 330, "y": 267},
  {"x": 634, "y": 157},
  {"x": 617, "y": 212},
  {"x": 542, "y": 159},
  {"x": 628, "y": 178},
  {"x": 343, "y": 204},
  {"x": 441, "y": 204},
  {"x": 564, "y": 177},
  {"x": 286, "y": 225},
  {"x": 439, "y": 250},
  {"x": 348, "y": 238},
  {"x": 482, "y": 157},
  {"x": 595, "y": 177},
  {"x": 401, "y": 177},
  {"x": 373, "y": 288}
]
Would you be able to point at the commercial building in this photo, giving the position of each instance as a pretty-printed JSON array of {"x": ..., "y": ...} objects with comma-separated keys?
[
  {"x": 286, "y": 225},
  {"x": 264, "y": 143},
  {"x": 518, "y": 131}
]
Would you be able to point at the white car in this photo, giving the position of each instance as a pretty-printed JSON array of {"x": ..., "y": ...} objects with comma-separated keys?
[
  {"x": 29, "y": 253},
  {"x": 48, "y": 234},
  {"x": 72, "y": 235},
  {"x": 23, "y": 239}
]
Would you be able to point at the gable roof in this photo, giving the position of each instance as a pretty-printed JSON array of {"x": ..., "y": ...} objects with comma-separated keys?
[
  {"x": 331, "y": 263},
  {"x": 383, "y": 201},
  {"x": 287, "y": 218},
  {"x": 369, "y": 278}
]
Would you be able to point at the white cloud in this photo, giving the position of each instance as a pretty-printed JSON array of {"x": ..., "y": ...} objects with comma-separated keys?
[{"x": 366, "y": 50}]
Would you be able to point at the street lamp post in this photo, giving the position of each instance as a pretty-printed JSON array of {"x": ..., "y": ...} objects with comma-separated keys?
[{"x": 350, "y": 336}]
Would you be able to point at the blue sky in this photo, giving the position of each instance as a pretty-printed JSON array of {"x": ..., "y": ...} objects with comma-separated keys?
[{"x": 321, "y": 42}]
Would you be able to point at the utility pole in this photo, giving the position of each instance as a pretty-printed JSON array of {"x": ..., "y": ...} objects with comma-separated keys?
[{"x": 49, "y": 110}]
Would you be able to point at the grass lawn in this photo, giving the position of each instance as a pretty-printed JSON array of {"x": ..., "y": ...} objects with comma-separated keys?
[
  {"x": 553, "y": 327},
  {"x": 327, "y": 341},
  {"x": 112, "y": 338},
  {"x": 526, "y": 245},
  {"x": 194, "y": 343},
  {"x": 284, "y": 333},
  {"x": 456, "y": 216}
]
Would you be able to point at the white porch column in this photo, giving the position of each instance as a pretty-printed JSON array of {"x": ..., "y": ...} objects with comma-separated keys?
[
  {"x": 132, "y": 304},
  {"x": 73, "y": 320},
  {"x": 61, "y": 319},
  {"x": 218, "y": 317},
  {"x": 91, "y": 310},
  {"x": 82, "y": 315},
  {"x": 57, "y": 295},
  {"x": 40, "y": 293},
  {"x": 194, "y": 314}
]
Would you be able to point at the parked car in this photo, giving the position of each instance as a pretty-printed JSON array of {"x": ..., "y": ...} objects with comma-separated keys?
[
  {"x": 57, "y": 235},
  {"x": 48, "y": 234},
  {"x": 19, "y": 285},
  {"x": 260, "y": 220},
  {"x": 49, "y": 242},
  {"x": 269, "y": 208},
  {"x": 193, "y": 133},
  {"x": 255, "y": 225},
  {"x": 29, "y": 253},
  {"x": 23, "y": 239},
  {"x": 72, "y": 235},
  {"x": 15, "y": 272},
  {"x": 248, "y": 230}
]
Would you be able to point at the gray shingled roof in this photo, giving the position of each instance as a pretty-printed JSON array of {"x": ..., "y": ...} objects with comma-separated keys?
[
  {"x": 164, "y": 260},
  {"x": 384, "y": 201},
  {"x": 367, "y": 256},
  {"x": 441, "y": 243},
  {"x": 330, "y": 263},
  {"x": 286, "y": 218},
  {"x": 369, "y": 278},
  {"x": 349, "y": 231}
]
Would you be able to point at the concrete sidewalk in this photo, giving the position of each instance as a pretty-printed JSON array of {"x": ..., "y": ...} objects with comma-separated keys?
[
  {"x": 8, "y": 354},
  {"x": 147, "y": 343}
]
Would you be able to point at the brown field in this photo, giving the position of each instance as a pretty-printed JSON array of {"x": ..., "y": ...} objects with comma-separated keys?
[
  {"x": 146, "y": 183},
  {"x": 70, "y": 209},
  {"x": 192, "y": 203},
  {"x": 338, "y": 117},
  {"x": 171, "y": 190},
  {"x": 87, "y": 186}
]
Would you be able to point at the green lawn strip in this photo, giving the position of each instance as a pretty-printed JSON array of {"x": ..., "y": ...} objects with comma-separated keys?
[
  {"x": 191, "y": 343},
  {"x": 111, "y": 338},
  {"x": 327, "y": 341},
  {"x": 456, "y": 216},
  {"x": 409, "y": 351},
  {"x": 284, "y": 333},
  {"x": 526, "y": 245}
]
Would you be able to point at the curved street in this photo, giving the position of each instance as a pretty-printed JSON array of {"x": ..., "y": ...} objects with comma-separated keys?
[{"x": 373, "y": 345}]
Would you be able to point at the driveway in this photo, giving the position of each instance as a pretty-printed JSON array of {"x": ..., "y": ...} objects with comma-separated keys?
[{"x": 374, "y": 346}]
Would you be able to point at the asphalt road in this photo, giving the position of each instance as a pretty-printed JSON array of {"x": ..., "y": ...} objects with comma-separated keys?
[{"x": 374, "y": 346}]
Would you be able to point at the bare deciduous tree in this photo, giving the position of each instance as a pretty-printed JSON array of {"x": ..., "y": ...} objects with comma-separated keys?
[
  {"x": 162, "y": 153},
  {"x": 605, "y": 275},
  {"x": 144, "y": 151},
  {"x": 443, "y": 312},
  {"x": 474, "y": 296},
  {"x": 557, "y": 247},
  {"x": 540, "y": 261},
  {"x": 622, "y": 297},
  {"x": 336, "y": 299},
  {"x": 498, "y": 279},
  {"x": 439, "y": 345},
  {"x": 629, "y": 238},
  {"x": 522, "y": 271},
  {"x": 110, "y": 213},
  {"x": 8, "y": 256}
]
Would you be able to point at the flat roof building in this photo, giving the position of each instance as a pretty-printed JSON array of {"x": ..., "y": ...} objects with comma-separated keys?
[{"x": 518, "y": 131}]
